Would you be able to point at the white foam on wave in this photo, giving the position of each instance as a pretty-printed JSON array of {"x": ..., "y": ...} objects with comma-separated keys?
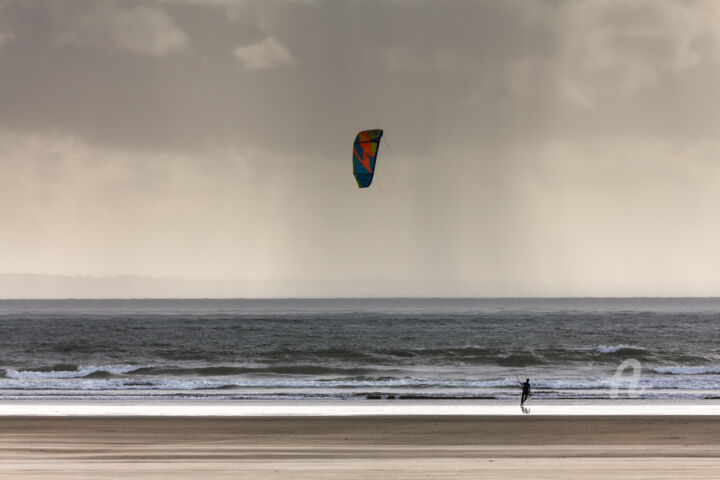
[
  {"x": 685, "y": 370},
  {"x": 616, "y": 348},
  {"x": 75, "y": 384},
  {"x": 290, "y": 386},
  {"x": 81, "y": 371},
  {"x": 79, "y": 383},
  {"x": 677, "y": 378}
]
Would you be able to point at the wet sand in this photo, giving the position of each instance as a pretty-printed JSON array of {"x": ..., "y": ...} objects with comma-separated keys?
[{"x": 398, "y": 447}]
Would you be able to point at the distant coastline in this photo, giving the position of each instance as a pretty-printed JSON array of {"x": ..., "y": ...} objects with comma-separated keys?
[
  {"x": 129, "y": 286},
  {"x": 49, "y": 286}
]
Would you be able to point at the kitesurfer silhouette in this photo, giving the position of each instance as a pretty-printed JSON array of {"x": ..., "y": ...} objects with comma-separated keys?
[{"x": 525, "y": 391}]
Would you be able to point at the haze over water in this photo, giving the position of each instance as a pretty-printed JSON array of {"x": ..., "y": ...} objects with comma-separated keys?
[{"x": 358, "y": 349}]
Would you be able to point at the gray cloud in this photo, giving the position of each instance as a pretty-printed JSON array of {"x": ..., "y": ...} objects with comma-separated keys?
[
  {"x": 462, "y": 70},
  {"x": 5, "y": 37},
  {"x": 143, "y": 29},
  {"x": 267, "y": 53}
]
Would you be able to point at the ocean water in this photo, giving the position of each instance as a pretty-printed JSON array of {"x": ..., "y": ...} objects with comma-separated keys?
[{"x": 571, "y": 349}]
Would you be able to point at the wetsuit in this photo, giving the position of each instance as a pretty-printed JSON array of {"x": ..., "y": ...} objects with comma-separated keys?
[{"x": 525, "y": 392}]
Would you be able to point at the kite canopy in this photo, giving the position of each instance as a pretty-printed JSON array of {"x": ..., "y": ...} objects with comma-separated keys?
[{"x": 365, "y": 150}]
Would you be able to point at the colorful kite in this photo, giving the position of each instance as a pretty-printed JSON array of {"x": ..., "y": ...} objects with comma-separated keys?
[{"x": 365, "y": 150}]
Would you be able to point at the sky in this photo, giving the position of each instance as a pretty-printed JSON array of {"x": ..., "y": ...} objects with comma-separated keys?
[{"x": 532, "y": 148}]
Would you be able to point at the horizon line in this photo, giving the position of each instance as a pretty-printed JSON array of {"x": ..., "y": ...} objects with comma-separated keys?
[{"x": 380, "y": 297}]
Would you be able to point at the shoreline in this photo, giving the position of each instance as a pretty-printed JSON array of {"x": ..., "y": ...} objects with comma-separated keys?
[{"x": 348, "y": 408}]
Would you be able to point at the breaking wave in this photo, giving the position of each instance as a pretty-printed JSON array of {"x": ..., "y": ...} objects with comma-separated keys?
[
  {"x": 687, "y": 370},
  {"x": 619, "y": 349},
  {"x": 70, "y": 371}
]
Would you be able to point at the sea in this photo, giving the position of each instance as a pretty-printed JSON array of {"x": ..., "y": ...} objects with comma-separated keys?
[{"x": 577, "y": 349}]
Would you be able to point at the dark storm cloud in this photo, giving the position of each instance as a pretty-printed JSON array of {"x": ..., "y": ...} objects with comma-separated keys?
[{"x": 165, "y": 75}]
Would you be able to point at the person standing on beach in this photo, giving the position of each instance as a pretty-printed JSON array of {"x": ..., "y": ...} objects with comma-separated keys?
[{"x": 525, "y": 391}]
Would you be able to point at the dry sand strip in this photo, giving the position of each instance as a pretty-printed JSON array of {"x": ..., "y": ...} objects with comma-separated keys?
[{"x": 637, "y": 447}]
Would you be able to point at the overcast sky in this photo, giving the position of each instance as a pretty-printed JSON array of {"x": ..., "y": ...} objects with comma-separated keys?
[{"x": 533, "y": 147}]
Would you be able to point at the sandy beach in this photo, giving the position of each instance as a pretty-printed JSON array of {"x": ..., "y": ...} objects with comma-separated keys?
[{"x": 484, "y": 447}]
